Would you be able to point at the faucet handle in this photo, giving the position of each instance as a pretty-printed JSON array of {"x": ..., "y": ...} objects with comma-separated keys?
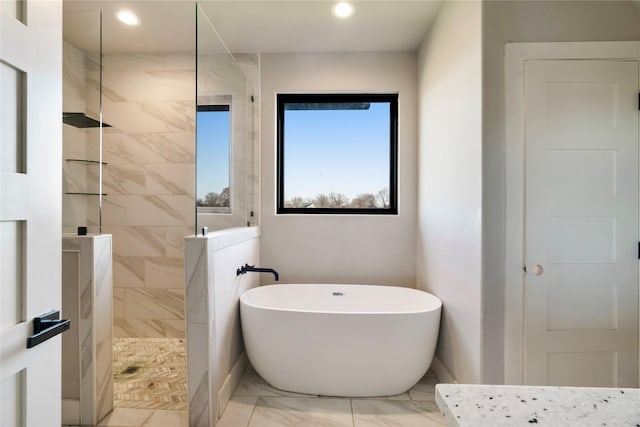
[{"x": 241, "y": 270}]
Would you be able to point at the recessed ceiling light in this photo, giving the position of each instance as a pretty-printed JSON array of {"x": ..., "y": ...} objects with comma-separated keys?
[
  {"x": 343, "y": 9},
  {"x": 128, "y": 17}
]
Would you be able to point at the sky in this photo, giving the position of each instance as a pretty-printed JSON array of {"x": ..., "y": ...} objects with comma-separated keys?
[
  {"x": 343, "y": 151},
  {"x": 212, "y": 164}
]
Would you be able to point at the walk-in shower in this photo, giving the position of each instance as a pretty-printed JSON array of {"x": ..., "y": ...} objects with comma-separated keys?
[{"x": 160, "y": 140}]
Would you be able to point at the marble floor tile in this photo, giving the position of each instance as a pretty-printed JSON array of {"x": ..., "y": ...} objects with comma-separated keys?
[
  {"x": 149, "y": 373},
  {"x": 396, "y": 413},
  {"x": 163, "y": 418},
  {"x": 425, "y": 389},
  {"x": 238, "y": 412},
  {"x": 256, "y": 404},
  {"x": 126, "y": 417},
  {"x": 301, "y": 412},
  {"x": 252, "y": 385}
]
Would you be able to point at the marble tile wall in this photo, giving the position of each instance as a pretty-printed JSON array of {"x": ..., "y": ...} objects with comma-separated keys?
[
  {"x": 150, "y": 181},
  {"x": 249, "y": 63},
  {"x": 76, "y": 176},
  {"x": 240, "y": 79},
  {"x": 80, "y": 95}
]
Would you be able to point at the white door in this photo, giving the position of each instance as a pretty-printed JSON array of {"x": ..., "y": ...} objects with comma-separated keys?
[
  {"x": 30, "y": 208},
  {"x": 581, "y": 223}
]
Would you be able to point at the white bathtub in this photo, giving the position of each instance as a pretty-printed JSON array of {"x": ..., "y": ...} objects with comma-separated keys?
[{"x": 340, "y": 340}]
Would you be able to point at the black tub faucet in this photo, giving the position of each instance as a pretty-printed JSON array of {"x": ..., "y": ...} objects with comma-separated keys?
[{"x": 245, "y": 268}]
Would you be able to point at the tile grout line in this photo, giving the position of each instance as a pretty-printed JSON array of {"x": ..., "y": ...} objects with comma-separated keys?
[
  {"x": 353, "y": 416},
  {"x": 153, "y": 411},
  {"x": 252, "y": 411}
]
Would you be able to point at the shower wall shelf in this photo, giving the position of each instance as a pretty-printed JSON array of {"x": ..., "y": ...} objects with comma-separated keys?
[
  {"x": 80, "y": 120},
  {"x": 86, "y": 161}
]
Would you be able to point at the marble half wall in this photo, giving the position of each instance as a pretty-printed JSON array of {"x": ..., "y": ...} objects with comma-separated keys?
[
  {"x": 87, "y": 389},
  {"x": 215, "y": 349}
]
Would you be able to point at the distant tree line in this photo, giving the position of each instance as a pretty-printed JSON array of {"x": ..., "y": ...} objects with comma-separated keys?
[
  {"x": 380, "y": 200},
  {"x": 216, "y": 200}
]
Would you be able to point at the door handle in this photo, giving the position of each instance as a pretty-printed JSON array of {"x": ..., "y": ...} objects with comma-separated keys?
[{"x": 46, "y": 326}]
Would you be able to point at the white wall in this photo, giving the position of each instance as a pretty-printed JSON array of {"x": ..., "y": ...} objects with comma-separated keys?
[
  {"x": 450, "y": 183},
  {"x": 375, "y": 249},
  {"x": 524, "y": 21}
]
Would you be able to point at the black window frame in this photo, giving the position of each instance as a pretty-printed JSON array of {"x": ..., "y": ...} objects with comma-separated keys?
[{"x": 391, "y": 98}]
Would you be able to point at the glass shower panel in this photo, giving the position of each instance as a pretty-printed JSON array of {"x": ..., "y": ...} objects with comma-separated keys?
[
  {"x": 82, "y": 129},
  {"x": 226, "y": 178}
]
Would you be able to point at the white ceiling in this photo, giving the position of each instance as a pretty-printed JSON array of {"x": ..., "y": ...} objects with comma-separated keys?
[{"x": 252, "y": 26}]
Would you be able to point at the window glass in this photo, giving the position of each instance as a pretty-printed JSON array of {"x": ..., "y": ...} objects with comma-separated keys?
[
  {"x": 214, "y": 137},
  {"x": 337, "y": 153}
]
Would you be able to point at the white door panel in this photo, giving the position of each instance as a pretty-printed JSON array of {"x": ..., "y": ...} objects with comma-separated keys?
[
  {"x": 581, "y": 223},
  {"x": 30, "y": 208}
]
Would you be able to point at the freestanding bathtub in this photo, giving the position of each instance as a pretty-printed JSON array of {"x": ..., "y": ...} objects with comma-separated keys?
[{"x": 340, "y": 340}]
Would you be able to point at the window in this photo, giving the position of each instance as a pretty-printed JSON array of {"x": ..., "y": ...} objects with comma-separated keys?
[
  {"x": 337, "y": 153},
  {"x": 212, "y": 160}
]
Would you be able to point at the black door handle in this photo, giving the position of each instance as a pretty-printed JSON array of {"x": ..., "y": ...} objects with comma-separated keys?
[{"x": 46, "y": 326}]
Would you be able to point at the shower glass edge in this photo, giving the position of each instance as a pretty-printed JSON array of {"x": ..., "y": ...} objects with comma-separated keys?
[{"x": 220, "y": 77}]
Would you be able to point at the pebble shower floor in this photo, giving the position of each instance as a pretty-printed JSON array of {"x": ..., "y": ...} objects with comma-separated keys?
[{"x": 149, "y": 373}]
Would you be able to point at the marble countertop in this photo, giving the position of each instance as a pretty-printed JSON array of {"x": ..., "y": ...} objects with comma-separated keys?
[{"x": 501, "y": 405}]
